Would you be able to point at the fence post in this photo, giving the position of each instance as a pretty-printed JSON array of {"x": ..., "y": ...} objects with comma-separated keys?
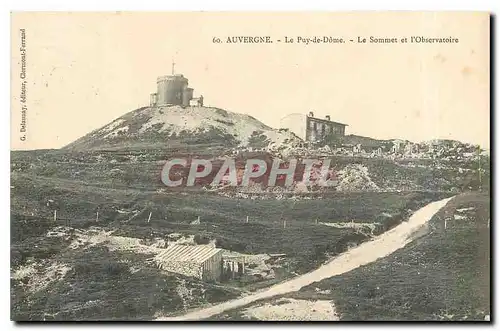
[
  {"x": 55, "y": 215},
  {"x": 247, "y": 220},
  {"x": 97, "y": 217},
  {"x": 284, "y": 224}
]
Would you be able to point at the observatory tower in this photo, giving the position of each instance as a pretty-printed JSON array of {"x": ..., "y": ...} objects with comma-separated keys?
[{"x": 173, "y": 90}]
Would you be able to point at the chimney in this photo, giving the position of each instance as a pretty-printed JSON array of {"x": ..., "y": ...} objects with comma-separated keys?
[
  {"x": 327, "y": 117},
  {"x": 311, "y": 114}
]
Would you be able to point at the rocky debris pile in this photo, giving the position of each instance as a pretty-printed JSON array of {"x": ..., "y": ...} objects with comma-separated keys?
[
  {"x": 367, "y": 229},
  {"x": 355, "y": 177},
  {"x": 36, "y": 276},
  {"x": 97, "y": 236},
  {"x": 185, "y": 293},
  {"x": 255, "y": 264},
  {"x": 395, "y": 149},
  {"x": 186, "y": 268},
  {"x": 180, "y": 239}
]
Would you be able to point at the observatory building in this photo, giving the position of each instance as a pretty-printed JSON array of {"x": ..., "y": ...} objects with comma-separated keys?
[
  {"x": 311, "y": 128},
  {"x": 173, "y": 90}
]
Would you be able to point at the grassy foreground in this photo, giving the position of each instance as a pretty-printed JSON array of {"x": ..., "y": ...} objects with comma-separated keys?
[
  {"x": 444, "y": 275},
  {"x": 104, "y": 284}
]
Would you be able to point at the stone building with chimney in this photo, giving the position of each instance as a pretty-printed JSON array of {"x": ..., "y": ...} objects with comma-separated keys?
[{"x": 311, "y": 128}]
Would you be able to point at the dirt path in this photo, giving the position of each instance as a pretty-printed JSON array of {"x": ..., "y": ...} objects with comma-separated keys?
[{"x": 365, "y": 253}]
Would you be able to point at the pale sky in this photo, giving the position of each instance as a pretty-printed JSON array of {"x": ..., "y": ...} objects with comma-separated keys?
[{"x": 86, "y": 69}]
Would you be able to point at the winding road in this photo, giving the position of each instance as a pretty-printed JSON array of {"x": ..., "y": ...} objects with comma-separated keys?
[{"x": 381, "y": 246}]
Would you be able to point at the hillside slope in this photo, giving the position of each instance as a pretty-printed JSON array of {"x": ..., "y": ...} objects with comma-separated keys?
[
  {"x": 444, "y": 275},
  {"x": 174, "y": 125}
]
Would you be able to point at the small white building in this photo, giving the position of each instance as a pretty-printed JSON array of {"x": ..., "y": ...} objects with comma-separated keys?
[{"x": 200, "y": 261}]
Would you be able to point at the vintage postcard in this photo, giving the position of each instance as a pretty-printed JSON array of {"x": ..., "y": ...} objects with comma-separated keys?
[{"x": 234, "y": 166}]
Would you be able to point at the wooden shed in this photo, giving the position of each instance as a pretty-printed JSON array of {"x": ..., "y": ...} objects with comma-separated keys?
[{"x": 200, "y": 261}]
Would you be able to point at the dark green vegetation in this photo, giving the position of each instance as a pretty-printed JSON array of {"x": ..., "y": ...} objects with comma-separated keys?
[
  {"x": 124, "y": 187},
  {"x": 140, "y": 168},
  {"x": 444, "y": 275},
  {"x": 221, "y": 218},
  {"x": 109, "y": 285}
]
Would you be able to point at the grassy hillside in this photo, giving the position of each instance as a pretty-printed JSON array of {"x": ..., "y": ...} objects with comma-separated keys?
[
  {"x": 141, "y": 168},
  {"x": 444, "y": 275},
  {"x": 127, "y": 210},
  {"x": 106, "y": 285},
  {"x": 54, "y": 280}
]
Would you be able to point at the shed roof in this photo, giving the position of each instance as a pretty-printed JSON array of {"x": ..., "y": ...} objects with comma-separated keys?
[{"x": 196, "y": 254}]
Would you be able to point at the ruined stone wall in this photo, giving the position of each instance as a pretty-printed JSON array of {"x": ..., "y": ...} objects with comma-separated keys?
[{"x": 186, "y": 268}]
